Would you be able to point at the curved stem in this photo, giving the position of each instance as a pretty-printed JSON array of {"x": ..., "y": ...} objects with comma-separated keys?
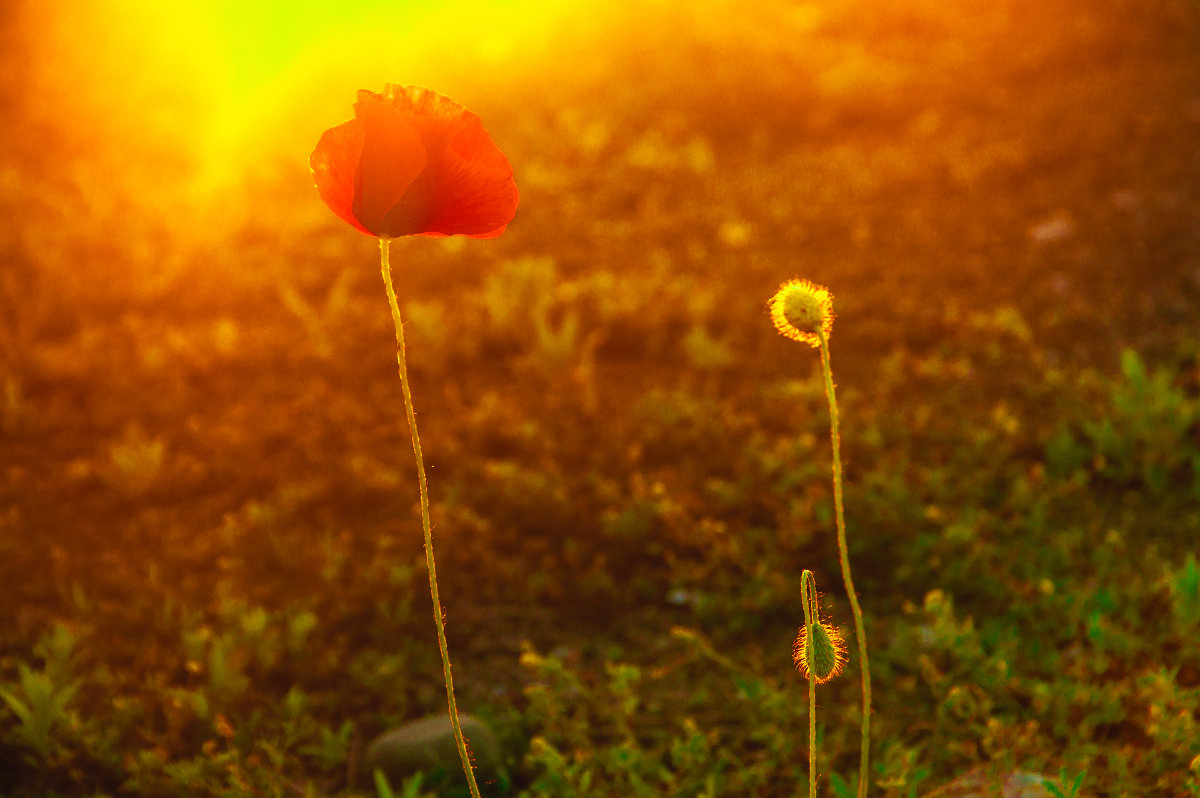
[
  {"x": 808, "y": 589},
  {"x": 463, "y": 753},
  {"x": 844, "y": 557}
]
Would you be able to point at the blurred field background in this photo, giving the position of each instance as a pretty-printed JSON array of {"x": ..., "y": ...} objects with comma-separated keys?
[{"x": 211, "y": 578}]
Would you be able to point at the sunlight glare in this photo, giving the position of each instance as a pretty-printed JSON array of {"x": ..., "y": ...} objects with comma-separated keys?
[{"x": 197, "y": 98}]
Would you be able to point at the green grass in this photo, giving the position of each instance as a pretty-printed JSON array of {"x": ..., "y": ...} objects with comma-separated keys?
[{"x": 210, "y": 556}]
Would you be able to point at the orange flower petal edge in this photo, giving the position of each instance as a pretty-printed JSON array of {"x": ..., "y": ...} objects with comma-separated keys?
[{"x": 413, "y": 162}]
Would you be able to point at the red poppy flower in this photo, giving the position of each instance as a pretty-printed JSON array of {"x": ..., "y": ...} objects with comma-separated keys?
[{"x": 413, "y": 162}]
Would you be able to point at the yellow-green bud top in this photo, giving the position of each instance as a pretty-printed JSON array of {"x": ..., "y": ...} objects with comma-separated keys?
[{"x": 803, "y": 311}]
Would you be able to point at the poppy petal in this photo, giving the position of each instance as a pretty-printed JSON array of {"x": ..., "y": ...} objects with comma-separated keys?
[
  {"x": 393, "y": 156},
  {"x": 477, "y": 195},
  {"x": 467, "y": 187},
  {"x": 334, "y": 163}
]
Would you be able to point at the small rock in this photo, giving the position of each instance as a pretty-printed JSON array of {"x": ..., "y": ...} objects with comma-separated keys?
[
  {"x": 427, "y": 745},
  {"x": 980, "y": 783}
]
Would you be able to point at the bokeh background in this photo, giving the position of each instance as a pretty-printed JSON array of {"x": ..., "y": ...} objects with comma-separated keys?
[{"x": 207, "y": 505}]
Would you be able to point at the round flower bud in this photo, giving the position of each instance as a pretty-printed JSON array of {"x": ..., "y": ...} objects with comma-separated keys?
[{"x": 803, "y": 311}]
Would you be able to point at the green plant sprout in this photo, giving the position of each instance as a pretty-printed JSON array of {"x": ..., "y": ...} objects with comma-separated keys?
[
  {"x": 40, "y": 699},
  {"x": 1065, "y": 788},
  {"x": 413, "y": 787},
  {"x": 803, "y": 311},
  {"x": 1185, "y": 590},
  {"x": 819, "y": 654}
]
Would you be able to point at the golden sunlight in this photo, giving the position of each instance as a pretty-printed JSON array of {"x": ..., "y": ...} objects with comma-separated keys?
[{"x": 198, "y": 95}]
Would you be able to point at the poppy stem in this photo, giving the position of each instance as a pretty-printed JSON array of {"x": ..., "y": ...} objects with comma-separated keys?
[
  {"x": 463, "y": 753},
  {"x": 808, "y": 596},
  {"x": 844, "y": 558}
]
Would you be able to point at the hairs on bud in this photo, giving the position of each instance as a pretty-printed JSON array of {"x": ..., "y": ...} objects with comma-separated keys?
[
  {"x": 820, "y": 650},
  {"x": 803, "y": 311}
]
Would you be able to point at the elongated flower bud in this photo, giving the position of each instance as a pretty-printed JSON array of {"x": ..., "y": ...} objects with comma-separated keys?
[{"x": 819, "y": 650}]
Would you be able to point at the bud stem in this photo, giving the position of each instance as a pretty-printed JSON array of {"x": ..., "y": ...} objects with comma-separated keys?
[
  {"x": 808, "y": 597},
  {"x": 844, "y": 557}
]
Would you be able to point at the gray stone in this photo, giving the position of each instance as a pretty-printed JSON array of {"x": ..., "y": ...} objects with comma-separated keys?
[
  {"x": 979, "y": 783},
  {"x": 427, "y": 746}
]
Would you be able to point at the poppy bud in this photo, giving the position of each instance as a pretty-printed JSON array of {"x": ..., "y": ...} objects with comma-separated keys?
[
  {"x": 802, "y": 310},
  {"x": 819, "y": 651}
]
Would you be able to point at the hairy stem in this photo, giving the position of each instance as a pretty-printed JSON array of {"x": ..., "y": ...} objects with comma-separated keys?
[
  {"x": 844, "y": 557},
  {"x": 808, "y": 589},
  {"x": 463, "y": 753}
]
